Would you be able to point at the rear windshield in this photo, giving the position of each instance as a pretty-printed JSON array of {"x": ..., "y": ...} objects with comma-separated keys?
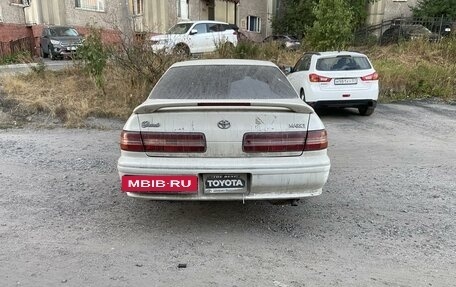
[
  {"x": 343, "y": 63},
  {"x": 223, "y": 82}
]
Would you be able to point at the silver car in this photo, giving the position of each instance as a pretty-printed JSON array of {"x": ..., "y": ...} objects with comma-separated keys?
[{"x": 223, "y": 130}]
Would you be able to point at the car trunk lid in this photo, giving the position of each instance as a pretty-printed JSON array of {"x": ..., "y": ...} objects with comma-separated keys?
[{"x": 252, "y": 128}]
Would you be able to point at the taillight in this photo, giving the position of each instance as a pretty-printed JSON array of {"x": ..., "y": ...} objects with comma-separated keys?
[
  {"x": 131, "y": 141},
  {"x": 316, "y": 140},
  {"x": 174, "y": 142},
  {"x": 162, "y": 142},
  {"x": 314, "y": 78},
  {"x": 273, "y": 142},
  {"x": 370, "y": 77}
]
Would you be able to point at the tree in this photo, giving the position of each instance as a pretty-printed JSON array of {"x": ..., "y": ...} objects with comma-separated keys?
[
  {"x": 333, "y": 25},
  {"x": 294, "y": 17},
  {"x": 435, "y": 8},
  {"x": 359, "y": 9},
  {"x": 94, "y": 57}
]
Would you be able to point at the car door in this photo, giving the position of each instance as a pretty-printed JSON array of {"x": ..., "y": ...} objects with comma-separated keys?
[
  {"x": 215, "y": 30},
  {"x": 300, "y": 73},
  {"x": 201, "y": 41}
]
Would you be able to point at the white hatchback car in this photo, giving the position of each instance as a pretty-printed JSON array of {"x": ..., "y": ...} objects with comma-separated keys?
[
  {"x": 336, "y": 79},
  {"x": 223, "y": 130},
  {"x": 196, "y": 37}
]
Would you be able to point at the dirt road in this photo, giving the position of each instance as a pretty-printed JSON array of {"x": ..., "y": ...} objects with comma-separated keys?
[{"x": 386, "y": 217}]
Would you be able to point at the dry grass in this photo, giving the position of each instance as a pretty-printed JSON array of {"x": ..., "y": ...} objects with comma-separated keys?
[
  {"x": 71, "y": 96},
  {"x": 416, "y": 70},
  {"x": 408, "y": 71}
]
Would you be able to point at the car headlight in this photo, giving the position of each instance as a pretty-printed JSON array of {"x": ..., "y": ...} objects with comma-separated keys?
[{"x": 55, "y": 42}]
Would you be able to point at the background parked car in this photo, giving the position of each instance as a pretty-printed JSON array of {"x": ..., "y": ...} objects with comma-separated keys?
[
  {"x": 285, "y": 41},
  {"x": 59, "y": 41},
  {"x": 408, "y": 32},
  {"x": 336, "y": 79},
  {"x": 195, "y": 37}
]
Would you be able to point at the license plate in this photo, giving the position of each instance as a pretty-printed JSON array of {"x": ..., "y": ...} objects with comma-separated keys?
[
  {"x": 225, "y": 183},
  {"x": 71, "y": 48},
  {"x": 160, "y": 183},
  {"x": 349, "y": 81}
]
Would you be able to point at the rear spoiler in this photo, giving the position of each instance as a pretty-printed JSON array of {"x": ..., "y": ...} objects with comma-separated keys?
[{"x": 150, "y": 106}]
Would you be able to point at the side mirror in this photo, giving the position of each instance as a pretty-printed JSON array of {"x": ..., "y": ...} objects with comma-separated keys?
[
  {"x": 193, "y": 32},
  {"x": 288, "y": 70}
]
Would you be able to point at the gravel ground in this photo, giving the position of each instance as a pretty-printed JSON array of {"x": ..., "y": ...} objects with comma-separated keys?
[{"x": 386, "y": 216}]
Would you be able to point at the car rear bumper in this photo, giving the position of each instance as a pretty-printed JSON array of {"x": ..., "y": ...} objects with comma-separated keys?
[
  {"x": 269, "y": 178},
  {"x": 343, "y": 93},
  {"x": 344, "y": 104}
]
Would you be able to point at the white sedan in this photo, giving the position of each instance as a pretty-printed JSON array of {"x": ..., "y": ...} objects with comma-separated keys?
[
  {"x": 336, "y": 79},
  {"x": 223, "y": 130}
]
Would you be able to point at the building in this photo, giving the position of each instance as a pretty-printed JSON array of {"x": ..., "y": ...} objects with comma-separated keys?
[
  {"x": 136, "y": 16},
  {"x": 252, "y": 16},
  {"x": 384, "y": 10},
  {"x": 12, "y": 19},
  {"x": 25, "y": 18}
]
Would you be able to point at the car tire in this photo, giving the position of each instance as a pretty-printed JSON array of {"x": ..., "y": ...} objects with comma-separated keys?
[
  {"x": 51, "y": 54},
  {"x": 182, "y": 50},
  {"x": 366, "y": 110},
  {"x": 302, "y": 95}
]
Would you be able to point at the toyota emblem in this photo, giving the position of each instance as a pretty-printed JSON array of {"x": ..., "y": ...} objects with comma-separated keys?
[{"x": 224, "y": 124}]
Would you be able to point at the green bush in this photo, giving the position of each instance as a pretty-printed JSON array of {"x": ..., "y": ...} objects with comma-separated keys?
[
  {"x": 333, "y": 26},
  {"x": 94, "y": 56}
]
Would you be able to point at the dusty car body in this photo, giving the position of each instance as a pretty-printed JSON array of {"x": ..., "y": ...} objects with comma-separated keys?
[{"x": 223, "y": 130}]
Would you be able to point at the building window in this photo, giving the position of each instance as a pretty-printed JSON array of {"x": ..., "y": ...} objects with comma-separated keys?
[
  {"x": 137, "y": 7},
  {"x": 20, "y": 2},
  {"x": 254, "y": 24},
  {"x": 94, "y": 5},
  {"x": 182, "y": 9}
]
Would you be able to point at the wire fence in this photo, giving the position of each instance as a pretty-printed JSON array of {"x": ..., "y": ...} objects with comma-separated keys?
[{"x": 402, "y": 28}]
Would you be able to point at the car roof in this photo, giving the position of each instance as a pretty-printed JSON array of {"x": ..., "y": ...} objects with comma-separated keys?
[
  {"x": 202, "y": 21},
  {"x": 339, "y": 53},
  {"x": 224, "y": 62}
]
